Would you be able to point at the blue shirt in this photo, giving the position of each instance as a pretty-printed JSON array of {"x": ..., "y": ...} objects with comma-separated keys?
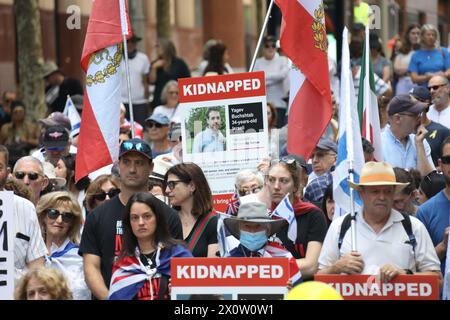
[
  {"x": 423, "y": 61},
  {"x": 435, "y": 215},
  {"x": 397, "y": 155},
  {"x": 209, "y": 141}
]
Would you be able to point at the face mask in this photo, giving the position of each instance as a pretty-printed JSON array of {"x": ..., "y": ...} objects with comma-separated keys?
[{"x": 253, "y": 241}]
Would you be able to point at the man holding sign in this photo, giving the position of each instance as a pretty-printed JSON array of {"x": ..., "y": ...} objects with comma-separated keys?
[{"x": 389, "y": 243}]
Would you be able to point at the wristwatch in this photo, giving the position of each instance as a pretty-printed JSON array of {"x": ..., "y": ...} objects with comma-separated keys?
[{"x": 408, "y": 271}]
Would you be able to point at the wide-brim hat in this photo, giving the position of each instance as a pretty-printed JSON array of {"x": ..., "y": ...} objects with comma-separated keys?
[
  {"x": 160, "y": 167},
  {"x": 378, "y": 174},
  {"x": 255, "y": 212},
  {"x": 49, "y": 68}
]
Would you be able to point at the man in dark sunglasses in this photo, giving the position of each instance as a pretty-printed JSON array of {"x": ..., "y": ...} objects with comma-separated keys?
[
  {"x": 30, "y": 171},
  {"x": 440, "y": 110},
  {"x": 158, "y": 131},
  {"x": 435, "y": 213},
  {"x": 101, "y": 241}
]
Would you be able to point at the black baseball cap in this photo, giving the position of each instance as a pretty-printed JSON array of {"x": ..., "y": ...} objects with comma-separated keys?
[
  {"x": 136, "y": 145},
  {"x": 56, "y": 137},
  {"x": 404, "y": 103},
  {"x": 420, "y": 93}
]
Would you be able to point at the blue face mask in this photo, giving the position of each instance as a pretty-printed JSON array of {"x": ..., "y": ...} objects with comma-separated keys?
[{"x": 253, "y": 241}]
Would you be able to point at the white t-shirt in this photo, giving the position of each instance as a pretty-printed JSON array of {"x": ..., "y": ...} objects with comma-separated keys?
[
  {"x": 442, "y": 117},
  {"x": 139, "y": 66},
  {"x": 28, "y": 242}
]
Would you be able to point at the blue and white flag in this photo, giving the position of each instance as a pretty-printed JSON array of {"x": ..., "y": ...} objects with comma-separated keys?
[
  {"x": 349, "y": 138},
  {"x": 286, "y": 211},
  {"x": 71, "y": 112}
]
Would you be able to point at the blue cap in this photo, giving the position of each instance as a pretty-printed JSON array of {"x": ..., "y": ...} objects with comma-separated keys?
[
  {"x": 421, "y": 93},
  {"x": 159, "y": 118}
]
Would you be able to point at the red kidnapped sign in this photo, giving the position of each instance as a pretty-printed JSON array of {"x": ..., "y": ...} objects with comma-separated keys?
[
  {"x": 229, "y": 272},
  {"x": 366, "y": 287},
  {"x": 230, "y": 86}
]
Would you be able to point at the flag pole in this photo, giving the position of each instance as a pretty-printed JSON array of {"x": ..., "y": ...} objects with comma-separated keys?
[
  {"x": 352, "y": 206},
  {"x": 263, "y": 29},
  {"x": 125, "y": 32}
]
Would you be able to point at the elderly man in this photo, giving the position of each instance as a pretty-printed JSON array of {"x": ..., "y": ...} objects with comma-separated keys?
[
  {"x": 401, "y": 147},
  {"x": 440, "y": 110},
  {"x": 388, "y": 242},
  {"x": 158, "y": 132},
  {"x": 56, "y": 144},
  {"x": 31, "y": 172},
  {"x": 210, "y": 139}
]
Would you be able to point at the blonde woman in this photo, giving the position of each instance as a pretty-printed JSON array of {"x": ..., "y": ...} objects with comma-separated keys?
[{"x": 60, "y": 218}]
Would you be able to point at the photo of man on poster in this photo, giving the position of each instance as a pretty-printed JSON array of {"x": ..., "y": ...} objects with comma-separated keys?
[{"x": 211, "y": 139}]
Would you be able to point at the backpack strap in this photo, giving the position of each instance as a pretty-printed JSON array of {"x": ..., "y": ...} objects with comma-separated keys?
[
  {"x": 346, "y": 223},
  {"x": 406, "y": 222}
]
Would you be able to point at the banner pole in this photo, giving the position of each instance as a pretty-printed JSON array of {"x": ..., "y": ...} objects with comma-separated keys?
[{"x": 263, "y": 29}]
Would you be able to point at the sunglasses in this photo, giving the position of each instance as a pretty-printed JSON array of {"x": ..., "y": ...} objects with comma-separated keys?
[
  {"x": 155, "y": 124},
  {"x": 445, "y": 159},
  {"x": 171, "y": 184},
  {"x": 436, "y": 86},
  {"x": 289, "y": 161},
  {"x": 53, "y": 214},
  {"x": 141, "y": 147},
  {"x": 102, "y": 196},
  {"x": 268, "y": 46},
  {"x": 31, "y": 175}
]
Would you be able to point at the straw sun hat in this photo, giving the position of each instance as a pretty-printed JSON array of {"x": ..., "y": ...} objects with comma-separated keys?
[{"x": 378, "y": 174}]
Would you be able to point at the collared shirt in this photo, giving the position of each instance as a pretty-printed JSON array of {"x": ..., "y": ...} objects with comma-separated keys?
[
  {"x": 397, "y": 155},
  {"x": 209, "y": 141},
  {"x": 442, "y": 117},
  {"x": 388, "y": 246}
]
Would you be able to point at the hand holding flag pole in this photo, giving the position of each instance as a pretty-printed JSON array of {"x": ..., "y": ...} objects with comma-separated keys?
[{"x": 125, "y": 33}]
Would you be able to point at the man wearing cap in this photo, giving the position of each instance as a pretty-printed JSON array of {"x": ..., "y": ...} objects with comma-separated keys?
[
  {"x": 211, "y": 139},
  {"x": 58, "y": 87},
  {"x": 436, "y": 131},
  {"x": 101, "y": 241},
  {"x": 56, "y": 143},
  {"x": 31, "y": 172},
  {"x": 139, "y": 65},
  {"x": 440, "y": 110},
  {"x": 382, "y": 242},
  {"x": 435, "y": 213},
  {"x": 158, "y": 131},
  {"x": 276, "y": 69},
  {"x": 401, "y": 147}
]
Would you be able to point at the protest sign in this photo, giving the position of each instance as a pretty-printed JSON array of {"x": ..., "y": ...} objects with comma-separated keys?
[
  {"x": 229, "y": 278},
  {"x": 369, "y": 287},
  {"x": 7, "y": 228},
  {"x": 224, "y": 128}
]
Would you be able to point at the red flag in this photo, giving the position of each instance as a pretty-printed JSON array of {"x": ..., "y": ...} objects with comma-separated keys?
[
  {"x": 98, "y": 143},
  {"x": 303, "y": 39}
]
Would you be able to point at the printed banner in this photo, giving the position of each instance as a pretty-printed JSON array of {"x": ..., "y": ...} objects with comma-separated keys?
[
  {"x": 225, "y": 127},
  {"x": 368, "y": 287},
  {"x": 229, "y": 278},
  {"x": 7, "y": 228}
]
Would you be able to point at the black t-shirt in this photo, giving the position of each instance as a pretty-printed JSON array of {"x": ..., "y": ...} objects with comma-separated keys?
[
  {"x": 159, "y": 285},
  {"x": 102, "y": 233},
  {"x": 311, "y": 226},
  {"x": 209, "y": 236},
  {"x": 178, "y": 69},
  {"x": 435, "y": 136},
  {"x": 68, "y": 87}
]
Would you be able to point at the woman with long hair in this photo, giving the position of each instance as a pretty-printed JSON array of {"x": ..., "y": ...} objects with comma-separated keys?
[
  {"x": 284, "y": 177},
  {"x": 189, "y": 193},
  {"x": 60, "y": 218},
  {"x": 147, "y": 248},
  {"x": 218, "y": 58}
]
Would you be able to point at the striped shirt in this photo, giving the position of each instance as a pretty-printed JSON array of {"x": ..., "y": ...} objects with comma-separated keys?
[{"x": 28, "y": 243}]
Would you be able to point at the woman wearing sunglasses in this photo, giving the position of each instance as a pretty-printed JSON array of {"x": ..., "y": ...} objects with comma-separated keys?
[
  {"x": 284, "y": 178},
  {"x": 104, "y": 187},
  {"x": 59, "y": 216},
  {"x": 189, "y": 193},
  {"x": 142, "y": 271}
]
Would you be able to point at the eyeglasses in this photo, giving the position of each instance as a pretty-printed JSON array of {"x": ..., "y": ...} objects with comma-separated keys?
[
  {"x": 436, "y": 86},
  {"x": 287, "y": 160},
  {"x": 111, "y": 194},
  {"x": 268, "y": 46},
  {"x": 445, "y": 159},
  {"x": 128, "y": 145},
  {"x": 171, "y": 184},
  {"x": 31, "y": 175},
  {"x": 245, "y": 192},
  {"x": 53, "y": 214},
  {"x": 155, "y": 124}
]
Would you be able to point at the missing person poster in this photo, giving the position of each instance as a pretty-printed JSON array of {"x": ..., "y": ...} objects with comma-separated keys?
[
  {"x": 225, "y": 127},
  {"x": 7, "y": 228},
  {"x": 229, "y": 278}
]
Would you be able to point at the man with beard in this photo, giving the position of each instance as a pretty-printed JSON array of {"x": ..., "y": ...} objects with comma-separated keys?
[
  {"x": 435, "y": 213},
  {"x": 210, "y": 139},
  {"x": 401, "y": 147},
  {"x": 101, "y": 241},
  {"x": 440, "y": 110}
]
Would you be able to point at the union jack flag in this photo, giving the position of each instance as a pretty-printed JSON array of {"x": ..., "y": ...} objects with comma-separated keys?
[{"x": 233, "y": 205}]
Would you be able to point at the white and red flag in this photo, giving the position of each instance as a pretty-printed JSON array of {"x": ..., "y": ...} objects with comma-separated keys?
[
  {"x": 303, "y": 39},
  {"x": 98, "y": 144}
]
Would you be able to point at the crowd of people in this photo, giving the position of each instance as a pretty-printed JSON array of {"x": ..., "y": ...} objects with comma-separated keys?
[{"x": 78, "y": 240}]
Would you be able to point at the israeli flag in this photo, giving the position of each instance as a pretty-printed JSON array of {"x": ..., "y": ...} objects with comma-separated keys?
[
  {"x": 285, "y": 211},
  {"x": 71, "y": 112},
  {"x": 349, "y": 139}
]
